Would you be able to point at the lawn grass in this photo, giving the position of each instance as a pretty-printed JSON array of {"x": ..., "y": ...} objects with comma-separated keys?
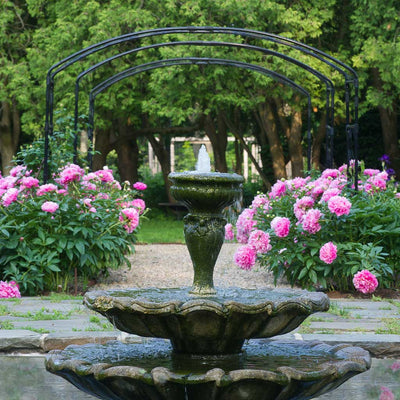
[{"x": 161, "y": 230}]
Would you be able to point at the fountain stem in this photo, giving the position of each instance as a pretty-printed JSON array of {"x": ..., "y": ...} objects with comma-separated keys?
[
  {"x": 205, "y": 194},
  {"x": 204, "y": 237}
]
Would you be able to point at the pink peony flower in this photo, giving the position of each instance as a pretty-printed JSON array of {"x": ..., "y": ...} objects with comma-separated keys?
[
  {"x": 10, "y": 289},
  {"x": 310, "y": 221},
  {"x": 278, "y": 189},
  {"x": 301, "y": 206},
  {"x": 87, "y": 201},
  {"x": 130, "y": 216},
  {"x": 70, "y": 173},
  {"x": 9, "y": 196},
  {"x": 395, "y": 366},
  {"x": 260, "y": 201},
  {"x": 229, "y": 234},
  {"x": 330, "y": 173},
  {"x": 19, "y": 170},
  {"x": 339, "y": 205},
  {"x": 281, "y": 226},
  {"x": 105, "y": 174},
  {"x": 371, "y": 172},
  {"x": 378, "y": 182},
  {"x": 49, "y": 187},
  {"x": 245, "y": 257},
  {"x": 140, "y": 186},
  {"x": 29, "y": 182},
  {"x": 259, "y": 241},
  {"x": 49, "y": 206},
  {"x": 329, "y": 193},
  {"x": 296, "y": 183},
  {"x": 139, "y": 204},
  {"x": 328, "y": 253},
  {"x": 245, "y": 224},
  {"x": 386, "y": 394},
  {"x": 365, "y": 282},
  {"x": 8, "y": 182},
  {"x": 89, "y": 186}
]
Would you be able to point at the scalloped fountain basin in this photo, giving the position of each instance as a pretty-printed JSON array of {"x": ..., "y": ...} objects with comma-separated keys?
[
  {"x": 264, "y": 370},
  {"x": 216, "y": 324}
]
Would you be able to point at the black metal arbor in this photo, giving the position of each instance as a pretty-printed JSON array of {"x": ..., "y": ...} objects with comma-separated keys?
[{"x": 134, "y": 41}]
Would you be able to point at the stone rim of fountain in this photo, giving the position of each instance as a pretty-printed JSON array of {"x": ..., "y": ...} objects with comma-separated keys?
[{"x": 286, "y": 381}]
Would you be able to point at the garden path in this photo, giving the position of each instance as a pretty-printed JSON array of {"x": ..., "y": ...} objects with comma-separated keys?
[{"x": 169, "y": 265}]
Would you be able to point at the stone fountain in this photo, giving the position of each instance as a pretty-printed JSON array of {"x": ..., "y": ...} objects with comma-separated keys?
[{"x": 193, "y": 345}]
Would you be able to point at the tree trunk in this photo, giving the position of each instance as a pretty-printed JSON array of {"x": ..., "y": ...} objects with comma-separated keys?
[
  {"x": 317, "y": 141},
  {"x": 240, "y": 138},
  {"x": 269, "y": 128},
  {"x": 219, "y": 139},
  {"x": 128, "y": 154},
  {"x": 295, "y": 146},
  {"x": 390, "y": 137},
  {"x": 161, "y": 150},
  {"x": 10, "y": 130},
  {"x": 102, "y": 146},
  {"x": 389, "y": 123},
  {"x": 294, "y": 138}
]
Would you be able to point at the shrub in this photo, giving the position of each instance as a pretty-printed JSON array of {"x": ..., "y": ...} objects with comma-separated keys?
[
  {"x": 81, "y": 223},
  {"x": 321, "y": 232}
]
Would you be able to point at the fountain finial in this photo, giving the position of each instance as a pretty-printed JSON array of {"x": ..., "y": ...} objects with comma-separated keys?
[{"x": 203, "y": 161}]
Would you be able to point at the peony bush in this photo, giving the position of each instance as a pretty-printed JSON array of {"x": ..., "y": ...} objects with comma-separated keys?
[
  {"x": 81, "y": 224},
  {"x": 319, "y": 232}
]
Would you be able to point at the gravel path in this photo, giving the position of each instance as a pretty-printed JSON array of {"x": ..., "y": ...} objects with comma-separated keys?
[{"x": 169, "y": 265}]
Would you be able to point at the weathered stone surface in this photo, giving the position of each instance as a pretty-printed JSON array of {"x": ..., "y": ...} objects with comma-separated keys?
[
  {"x": 380, "y": 346},
  {"x": 19, "y": 339},
  {"x": 58, "y": 341}
]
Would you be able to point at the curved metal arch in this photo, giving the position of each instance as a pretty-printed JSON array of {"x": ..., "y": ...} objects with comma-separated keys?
[
  {"x": 320, "y": 76},
  {"x": 196, "y": 61},
  {"x": 352, "y": 130},
  {"x": 292, "y": 60},
  {"x": 314, "y": 52}
]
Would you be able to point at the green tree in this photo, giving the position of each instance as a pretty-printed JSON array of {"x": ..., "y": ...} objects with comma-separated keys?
[
  {"x": 15, "y": 83},
  {"x": 376, "y": 55}
]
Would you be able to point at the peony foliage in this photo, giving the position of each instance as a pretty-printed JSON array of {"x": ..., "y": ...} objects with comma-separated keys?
[
  {"x": 324, "y": 234},
  {"x": 80, "y": 224}
]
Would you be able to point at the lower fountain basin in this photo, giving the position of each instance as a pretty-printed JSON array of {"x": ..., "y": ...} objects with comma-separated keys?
[
  {"x": 265, "y": 370},
  {"x": 216, "y": 324}
]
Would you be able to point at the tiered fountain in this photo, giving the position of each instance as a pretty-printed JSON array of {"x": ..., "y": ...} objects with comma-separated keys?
[{"x": 196, "y": 349}]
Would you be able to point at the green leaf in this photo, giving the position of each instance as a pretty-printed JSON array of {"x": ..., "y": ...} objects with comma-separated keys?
[{"x": 81, "y": 247}]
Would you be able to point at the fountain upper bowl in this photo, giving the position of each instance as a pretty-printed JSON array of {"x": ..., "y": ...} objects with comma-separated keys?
[
  {"x": 206, "y": 192},
  {"x": 216, "y": 324}
]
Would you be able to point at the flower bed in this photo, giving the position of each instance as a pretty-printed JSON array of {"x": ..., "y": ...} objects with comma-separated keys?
[
  {"x": 81, "y": 224},
  {"x": 320, "y": 232}
]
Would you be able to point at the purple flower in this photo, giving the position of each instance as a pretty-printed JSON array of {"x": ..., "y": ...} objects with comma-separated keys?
[{"x": 385, "y": 158}]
